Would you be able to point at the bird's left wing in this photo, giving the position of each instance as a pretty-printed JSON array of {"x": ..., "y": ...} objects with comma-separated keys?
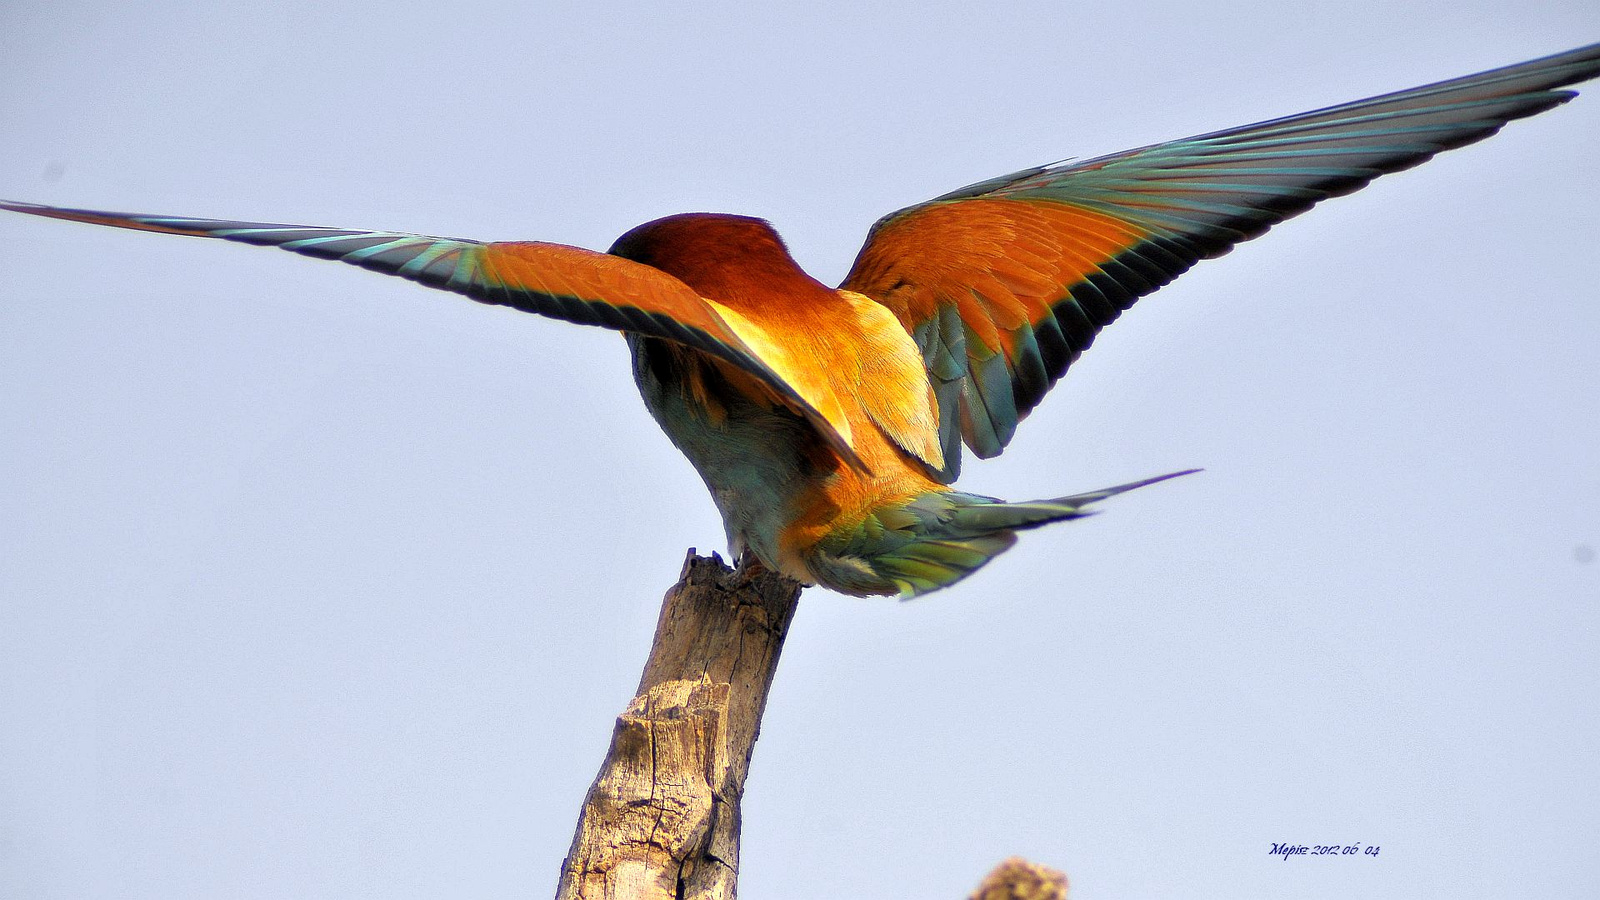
[
  {"x": 553, "y": 280},
  {"x": 1004, "y": 283}
]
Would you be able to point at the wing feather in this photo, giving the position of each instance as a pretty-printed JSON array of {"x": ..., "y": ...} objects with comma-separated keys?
[
  {"x": 554, "y": 280},
  {"x": 1035, "y": 263}
]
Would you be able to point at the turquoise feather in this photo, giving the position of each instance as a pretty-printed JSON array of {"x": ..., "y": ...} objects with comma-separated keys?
[
  {"x": 939, "y": 538},
  {"x": 1200, "y": 196}
]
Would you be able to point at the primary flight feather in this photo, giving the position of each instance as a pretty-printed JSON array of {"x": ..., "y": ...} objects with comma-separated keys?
[{"x": 829, "y": 423}]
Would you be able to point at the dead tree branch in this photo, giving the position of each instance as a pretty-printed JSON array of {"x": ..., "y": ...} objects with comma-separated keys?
[{"x": 661, "y": 821}]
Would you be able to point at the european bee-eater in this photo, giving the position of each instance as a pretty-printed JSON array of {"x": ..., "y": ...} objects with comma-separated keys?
[{"x": 828, "y": 422}]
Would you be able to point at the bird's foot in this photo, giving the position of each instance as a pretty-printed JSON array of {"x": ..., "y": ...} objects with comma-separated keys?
[{"x": 749, "y": 568}]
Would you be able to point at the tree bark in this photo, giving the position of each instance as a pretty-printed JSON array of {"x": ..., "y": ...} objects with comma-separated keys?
[
  {"x": 1018, "y": 879},
  {"x": 661, "y": 821}
]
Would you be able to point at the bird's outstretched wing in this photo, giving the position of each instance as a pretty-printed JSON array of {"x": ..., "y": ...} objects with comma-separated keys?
[
  {"x": 549, "y": 279},
  {"x": 1004, "y": 283}
]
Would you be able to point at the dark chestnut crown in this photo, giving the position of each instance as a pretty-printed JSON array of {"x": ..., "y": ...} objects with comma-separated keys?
[{"x": 714, "y": 253}]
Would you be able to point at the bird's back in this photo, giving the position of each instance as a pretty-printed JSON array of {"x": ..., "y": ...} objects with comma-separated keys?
[{"x": 779, "y": 490}]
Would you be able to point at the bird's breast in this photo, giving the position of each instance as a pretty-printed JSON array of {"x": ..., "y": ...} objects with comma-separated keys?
[{"x": 757, "y": 458}]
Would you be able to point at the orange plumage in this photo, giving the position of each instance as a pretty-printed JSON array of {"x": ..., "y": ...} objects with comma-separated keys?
[{"x": 828, "y": 423}]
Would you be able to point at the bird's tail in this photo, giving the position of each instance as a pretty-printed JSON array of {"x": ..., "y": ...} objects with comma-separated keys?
[{"x": 939, "y": 538}]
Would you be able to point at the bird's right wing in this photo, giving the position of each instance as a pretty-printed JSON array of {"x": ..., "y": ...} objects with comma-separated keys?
[
  {"x": 1004, "y": 283},
  {"x": 549, "y": 279}
]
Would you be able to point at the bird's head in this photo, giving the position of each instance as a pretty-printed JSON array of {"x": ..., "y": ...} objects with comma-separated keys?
[{"x": 718, "y": 255}]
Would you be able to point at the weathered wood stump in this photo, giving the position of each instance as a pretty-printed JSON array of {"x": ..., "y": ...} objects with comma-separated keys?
[{"x": 661, "y": 821}]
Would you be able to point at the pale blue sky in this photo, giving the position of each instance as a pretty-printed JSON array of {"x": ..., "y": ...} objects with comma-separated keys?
[{"x": 319, "y": 584}]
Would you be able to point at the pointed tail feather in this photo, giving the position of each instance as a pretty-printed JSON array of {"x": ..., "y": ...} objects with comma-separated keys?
[{"x": 939, "y": 538}]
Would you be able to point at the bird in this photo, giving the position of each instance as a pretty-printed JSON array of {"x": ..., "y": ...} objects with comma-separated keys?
[{"x": 829, "y": 424}]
